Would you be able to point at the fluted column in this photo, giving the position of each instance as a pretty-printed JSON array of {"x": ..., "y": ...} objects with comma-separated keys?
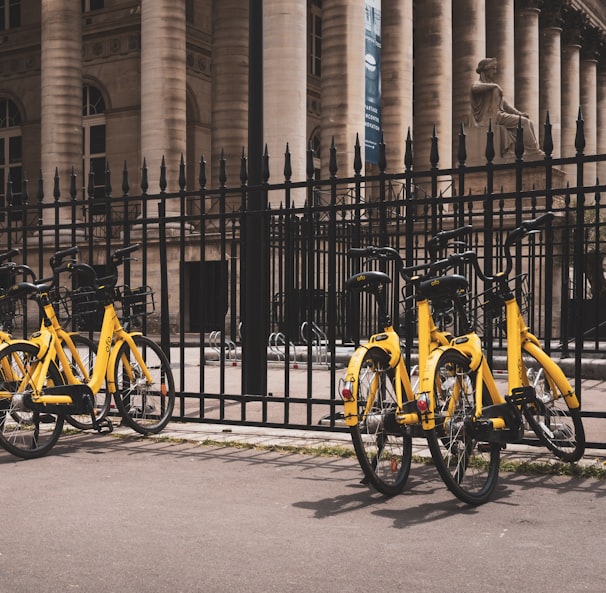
[
  {"x": 397, "y": 77},
  {"x": 500, "y": 42},
  {"x": 433, "y": 81},
  {"x": 229, "y": 118},
  {"x": 163, "y": 91},
  {"x": 550, "y": 76},
  {"x": 527, "y": 58},
  {"x": 343, "y": 81},
  {"x": 601, "y": 109},
  {"x": 588, "y": 99},
  {"x": 61, "y": 94},
  {"x": 285, "y": 83},
  {"x": 468, "y": 48},
  {"x": 571, "y": 100}
]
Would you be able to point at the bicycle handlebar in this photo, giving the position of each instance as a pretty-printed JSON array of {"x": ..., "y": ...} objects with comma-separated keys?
[{"x": 441, "y": 240}]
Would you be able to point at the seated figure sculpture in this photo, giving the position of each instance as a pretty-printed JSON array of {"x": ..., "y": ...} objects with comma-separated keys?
[{"x": 488, "y": 104}]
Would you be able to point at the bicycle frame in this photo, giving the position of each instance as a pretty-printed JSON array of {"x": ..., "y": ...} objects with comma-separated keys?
[{"x": 429, "y": 337}]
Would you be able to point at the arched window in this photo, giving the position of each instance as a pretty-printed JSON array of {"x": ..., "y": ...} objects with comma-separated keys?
[
  {"x": 11, "y": 167},
  {"x": 314, "y": 37},
  {"x": 93, "y": 141}
]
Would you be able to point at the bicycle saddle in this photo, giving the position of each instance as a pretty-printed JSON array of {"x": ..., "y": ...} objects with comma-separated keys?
[{"x": 442, "y": 286}]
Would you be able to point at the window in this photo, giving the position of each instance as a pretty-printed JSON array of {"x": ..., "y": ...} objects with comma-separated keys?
[
  {"x": 314, "y": 50},
  {"x": 93, "y": 143},
  {"x": 10, "y": 14},
  {"x": 10, "y": 153},
  {"x": 88, "y": 5}
]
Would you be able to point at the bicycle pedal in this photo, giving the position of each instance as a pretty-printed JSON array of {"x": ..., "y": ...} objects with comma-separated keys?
[{"x": 522, "y": 395}]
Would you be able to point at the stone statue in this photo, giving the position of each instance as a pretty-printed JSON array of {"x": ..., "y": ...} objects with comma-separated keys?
[{"x": 488, "y": 103}]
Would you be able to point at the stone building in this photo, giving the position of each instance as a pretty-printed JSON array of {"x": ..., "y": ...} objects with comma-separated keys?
[
  {"x": 123, "y": 80},
  {"x": 97, "y": 83}
]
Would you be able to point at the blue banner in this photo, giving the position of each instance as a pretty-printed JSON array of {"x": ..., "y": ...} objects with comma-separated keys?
[{"x": 372, "y": 60}]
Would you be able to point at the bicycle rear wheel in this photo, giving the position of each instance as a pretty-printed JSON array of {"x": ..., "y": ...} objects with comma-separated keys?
[
  {"x": 23, "y": 432},
  {"x": 145, "y": 407},
  {"x": 557, "y": 426},
  {"x": 87, "y": 351},
  {"x": 382, "y": 446},
  {"x": 469, "y": 468}
]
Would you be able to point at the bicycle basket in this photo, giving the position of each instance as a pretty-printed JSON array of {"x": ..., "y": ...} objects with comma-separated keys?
[
  {"x": 85, "y": 307},
  {"x": 488, "y": 308},
  {"x": 137, "y": 302},
  {"x": 10, "y": 309}
]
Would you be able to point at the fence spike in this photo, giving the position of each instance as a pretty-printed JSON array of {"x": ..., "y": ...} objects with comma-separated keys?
[
  {"x": 265, "y": 171},
  {"x": 309, "y": 168},
  {"x": 25, "y": 189},
  {"x": 548, "y": 137},
  {"x": 408, "y": 156},
  {"x": 125, "y": 182},
  {"x": 182, "y": 180},
  {"x": 56, "y": 189},
  {"x": 579, "y": 138},
  {"x": 90, "y": 187},
  {"x": 222, "y": 169},
  {"x": 202, "y": 173},
  {"x": 490, "y": 152},
  {"x": 40, "y": 194},
  {"x": 243, "y": 168},
  {"x": 434, "y": 155},
  {"x": 519, "y": 145},
  {"x": 73, "y": 191},
  {"x": 9, "y": 191},
  {"x": 144, "y": 182},
  {"x": 287, "y": 164},
  {"x": 163, "y": 175},
  {"x": 332, "y": 161},
  {"x": 108, "y": 181},
  {"x": 357, "y": 156},
  {"x": 462, "y": 150},
  {"x": 382, "y": 157}
]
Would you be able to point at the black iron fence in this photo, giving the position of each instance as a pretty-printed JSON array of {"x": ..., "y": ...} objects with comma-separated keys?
[{"x": 222, "y": 269}]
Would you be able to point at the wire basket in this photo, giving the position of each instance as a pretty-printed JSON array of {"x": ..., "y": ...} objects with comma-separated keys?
[
  {"x": 487, "y": 309},
  {"x": 136, "y": 302},
  {"x": 10, "y": 308}
]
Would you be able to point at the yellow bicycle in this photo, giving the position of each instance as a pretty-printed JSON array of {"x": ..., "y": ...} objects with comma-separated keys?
[
  {"x": 381, "y": 406},
  {"x": 39, "y": 387}
]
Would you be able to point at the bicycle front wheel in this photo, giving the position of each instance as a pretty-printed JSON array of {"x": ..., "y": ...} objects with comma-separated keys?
[
  {"x": 82, "y": 363},
  {"x": 469, "y": 468},
  {"x": 25, "y": 433},
  {"x": 382, "y": 446},
  {"x": 557, "y": 426},
  {"x": 145, "y": 406}
]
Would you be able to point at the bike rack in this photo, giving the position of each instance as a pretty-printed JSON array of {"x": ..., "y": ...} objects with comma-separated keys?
[
  {"x": 277, "y": 345},
  {"x": 319, "y": 342}
]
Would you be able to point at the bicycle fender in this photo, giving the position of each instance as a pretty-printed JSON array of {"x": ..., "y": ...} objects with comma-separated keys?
[
  {"x": 470, "y": 346},
  {"x": 350, "y": 405},
  {"x": 555, "y": 372}
]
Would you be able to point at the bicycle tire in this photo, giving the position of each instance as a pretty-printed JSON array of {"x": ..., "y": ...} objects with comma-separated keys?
[
  {"x": 145, "y": 408},
  {"x": 556, "y": 426},
  {"x": 87, "y": 350},
  {"x": 469, "y": 468},
  {"x": 383, "y": 447},
  {"x": 25, "y": 433}
]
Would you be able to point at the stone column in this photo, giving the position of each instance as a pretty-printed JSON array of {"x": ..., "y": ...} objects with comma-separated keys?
[
  {"x": 468, "y": 48},
  {"x": 229, "y": 118},
  {"x": 61, "y": 96},
  {"x": 601, "y": 109},
  {"x": 588, "y": 77},
  {"x": 163, "y": 91},
  {"x": 397, "y": 78},
  {"x": 342, "y": 82},
  {"x": 433, "y": 81},
  {"x": 527, "y": 59},
  {"x": 571, "y": 100},
  {"x": 500, "y": 42},
  {"x": 285, "y": 84},
  {"x": 550, "y": 76}
]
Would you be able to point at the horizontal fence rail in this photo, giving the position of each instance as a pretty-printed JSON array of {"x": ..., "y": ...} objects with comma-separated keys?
[{"x": 219, "y": 262}]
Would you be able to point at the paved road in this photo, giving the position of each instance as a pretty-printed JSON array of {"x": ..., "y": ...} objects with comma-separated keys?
[{"x": 114, "y": 515}]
